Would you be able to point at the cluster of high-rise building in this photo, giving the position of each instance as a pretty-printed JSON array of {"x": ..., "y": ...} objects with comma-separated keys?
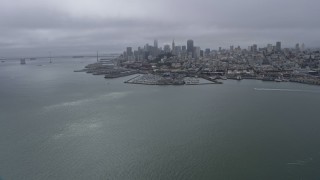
[
  {"x": 253, "y": 62},
  {"x": 192, "y": 52},
  {"x": 173, "y": 62},
  {"x": 148, "y": 52}
]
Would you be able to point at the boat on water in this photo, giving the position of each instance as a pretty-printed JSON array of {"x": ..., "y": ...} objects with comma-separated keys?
[
  {"x": 278, "y": 80},
  {"x": 239, "y": 78},
  {"x": 3, "y": 61}
]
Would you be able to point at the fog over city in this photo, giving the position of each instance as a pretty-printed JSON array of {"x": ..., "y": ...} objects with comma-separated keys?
[{"x": 36, "y": 27}]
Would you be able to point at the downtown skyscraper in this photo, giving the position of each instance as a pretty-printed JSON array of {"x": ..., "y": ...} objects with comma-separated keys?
[{"x": 190, "y": 47}]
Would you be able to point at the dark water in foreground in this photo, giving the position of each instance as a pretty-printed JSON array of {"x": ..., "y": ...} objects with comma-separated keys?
[{"x": 57, "y": 124}]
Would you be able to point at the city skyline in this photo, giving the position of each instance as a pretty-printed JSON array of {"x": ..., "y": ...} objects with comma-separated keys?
[
  {"x": 190, "y": 45},
  {"x": 37, "y": 27}
]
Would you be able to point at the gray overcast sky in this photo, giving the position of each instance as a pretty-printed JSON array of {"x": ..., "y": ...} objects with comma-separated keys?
[{"x": 35, "y": 27}]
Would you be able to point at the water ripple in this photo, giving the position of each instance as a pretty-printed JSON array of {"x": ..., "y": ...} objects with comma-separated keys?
[
  {"x": 104, "y": 97},
  {"x": 286, "y": 90}
]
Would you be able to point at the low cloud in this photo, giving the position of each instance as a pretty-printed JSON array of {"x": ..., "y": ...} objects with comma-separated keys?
[{"x": 75, "y": 27}]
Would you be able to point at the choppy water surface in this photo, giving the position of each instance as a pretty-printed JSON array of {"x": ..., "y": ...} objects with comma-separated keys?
[{"x": 57, "y": 124}]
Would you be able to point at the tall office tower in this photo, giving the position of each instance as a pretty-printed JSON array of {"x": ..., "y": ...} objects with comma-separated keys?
[
  {"x": 254, "y": 48},
  {"x": 136, "y": 55},
  {"x": 207, "y": 52},
  {"x": 155, "y": 43},
  {"x": 147, "y": 47},
  {"x": 173, "y": 47},
  {"x": 196, "y": 52},
  {"x": 129, "y": 51},
  {"x": 220, "y": 48},
  {"x": 155, "y": 51},
  {"x": 231, "y": 48},
  {"x": 190, "y": 47},
  {"x": 297, "y": 47},
  {"x": 177, "y": 50},
  {"x": 278, "y": 46}
]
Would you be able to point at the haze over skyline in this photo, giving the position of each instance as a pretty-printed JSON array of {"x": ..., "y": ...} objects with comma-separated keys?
[{"x": 36, "y": 27}]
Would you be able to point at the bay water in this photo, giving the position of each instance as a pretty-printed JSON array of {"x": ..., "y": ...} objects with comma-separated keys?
[{"x": 58, "y": 124}]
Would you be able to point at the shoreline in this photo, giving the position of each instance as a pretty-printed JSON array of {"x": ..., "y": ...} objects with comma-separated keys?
[
  {"x": 217, "y": 82},
  {"x": 168, "y": 77},
  {"x": 152, "y": 79}
]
